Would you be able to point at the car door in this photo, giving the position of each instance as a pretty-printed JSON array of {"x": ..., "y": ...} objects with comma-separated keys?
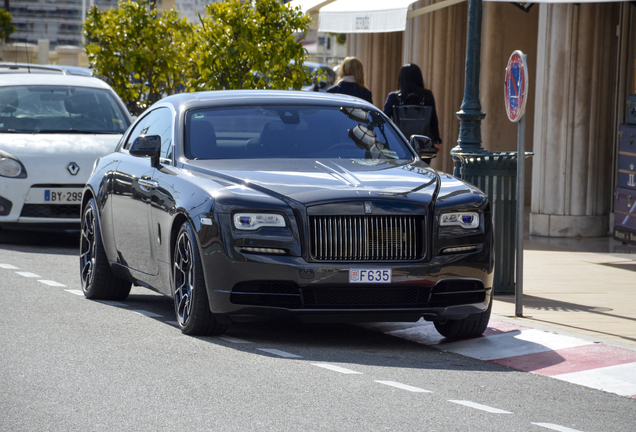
[
  {"x": 163, "y": 199},
  {"x": 132, "y": 197}
]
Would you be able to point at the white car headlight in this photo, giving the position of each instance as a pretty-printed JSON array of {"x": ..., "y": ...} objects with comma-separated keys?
[
  {"x": 10, "y": 168},
  {"x": 462, "y": 219},
  {"x": 254, "y": 221}
]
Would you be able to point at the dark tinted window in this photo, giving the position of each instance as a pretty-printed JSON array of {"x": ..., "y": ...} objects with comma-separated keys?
[
  {"x": 157, "y": 122},
  {"x": 291, "y": 132}
]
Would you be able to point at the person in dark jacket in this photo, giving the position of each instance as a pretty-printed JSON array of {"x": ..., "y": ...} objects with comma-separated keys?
[
  {"x": 351, "y": 80},
  {"x": 411, "y": 91}
]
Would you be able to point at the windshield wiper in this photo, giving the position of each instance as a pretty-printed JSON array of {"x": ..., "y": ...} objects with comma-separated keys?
[{"x": 72, "y": 131}]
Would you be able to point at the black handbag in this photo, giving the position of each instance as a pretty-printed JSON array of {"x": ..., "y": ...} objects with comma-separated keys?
[{"x": 413, "y": 119}]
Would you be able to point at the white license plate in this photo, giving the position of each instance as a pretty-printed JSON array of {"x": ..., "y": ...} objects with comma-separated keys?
[
  {"x": 61, "y": 196},
  {"x": 370, "y": 275}
]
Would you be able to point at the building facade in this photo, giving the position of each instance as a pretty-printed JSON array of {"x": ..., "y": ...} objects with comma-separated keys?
[
  {"x": 581, "y": 60},
  {"x": 60, "y": 21}
]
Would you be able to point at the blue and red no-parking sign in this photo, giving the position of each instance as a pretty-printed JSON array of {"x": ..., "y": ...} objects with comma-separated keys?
[{"x": 516, "y": 86}]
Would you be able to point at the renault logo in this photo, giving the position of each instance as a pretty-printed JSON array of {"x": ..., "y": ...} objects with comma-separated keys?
[
  {"x": 73, "y": 168},
  {"x": 368, "y": 208}
]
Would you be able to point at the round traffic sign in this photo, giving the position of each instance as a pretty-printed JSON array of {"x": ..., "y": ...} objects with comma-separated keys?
[{"x": 516, "y": 86}]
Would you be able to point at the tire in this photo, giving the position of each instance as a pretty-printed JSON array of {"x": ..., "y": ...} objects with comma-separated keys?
[
  {"x": 98, "y": 280},
  {"x": 472, "y": 326},
  {"x": 191, "y": 305}
]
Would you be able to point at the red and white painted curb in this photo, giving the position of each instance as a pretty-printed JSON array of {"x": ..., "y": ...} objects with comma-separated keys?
[{"x": 567, "y": 358}]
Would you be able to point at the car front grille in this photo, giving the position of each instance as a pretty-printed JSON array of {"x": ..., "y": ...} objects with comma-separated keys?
[
  {"x": 363, "y": 238},
  {"x": 54, "y": 211}
]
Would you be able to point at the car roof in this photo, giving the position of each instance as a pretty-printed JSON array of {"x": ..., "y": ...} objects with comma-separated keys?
[
  {"x": 7, "y": 68},
  {"x": 50, "y": 79},
  {"x": 185, "y": 101}
]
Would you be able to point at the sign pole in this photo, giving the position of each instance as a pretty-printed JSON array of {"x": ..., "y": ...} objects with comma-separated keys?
[
  {"x": 515, "y": 91},
  {"x": 521, "y": 177}
]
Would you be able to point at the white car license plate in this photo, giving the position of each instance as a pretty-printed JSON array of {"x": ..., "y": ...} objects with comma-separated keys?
[
  {"x": 61, "y": 196},
  {"x": 370, "y": 275}
]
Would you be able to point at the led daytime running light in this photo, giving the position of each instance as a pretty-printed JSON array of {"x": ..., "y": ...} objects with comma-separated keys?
[
  {"x": 459, "y": 249},
  {"x": 264, "y": 250}
]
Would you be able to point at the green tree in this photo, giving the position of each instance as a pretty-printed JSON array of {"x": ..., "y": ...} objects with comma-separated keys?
[
  {"x": 6, "y": 28},
  {"x": 141, "y": 54},
  {"x": 249, "y": 45}
]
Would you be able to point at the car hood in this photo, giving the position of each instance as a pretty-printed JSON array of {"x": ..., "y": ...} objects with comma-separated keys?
[
  {"x": 48, "y": 156},
  {"x": 317, "y": 181}
]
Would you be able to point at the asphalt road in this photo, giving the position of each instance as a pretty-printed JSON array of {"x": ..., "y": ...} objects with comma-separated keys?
[{"x": 71, "y": 364}]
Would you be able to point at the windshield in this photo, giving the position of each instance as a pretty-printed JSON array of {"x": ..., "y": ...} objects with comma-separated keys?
[
  {"x": 259, "y": 132},
  {"x": 60, "y": 109}
]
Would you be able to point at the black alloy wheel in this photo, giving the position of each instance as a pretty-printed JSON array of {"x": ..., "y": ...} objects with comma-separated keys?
[
  {"x": 191, "y": 304},
  {"x": 97, "y": 278}
]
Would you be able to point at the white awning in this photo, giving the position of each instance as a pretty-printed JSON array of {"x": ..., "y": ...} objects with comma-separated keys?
[
  {"x": 369, "y": 16},
  {"x": 379, "y": 16}
]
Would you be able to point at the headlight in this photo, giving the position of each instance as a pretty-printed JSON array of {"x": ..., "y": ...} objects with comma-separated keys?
[
  {"x": 254, "y": 221},
  {"x": 464, "y": 219},
  {"x": 11, "y": 168}
]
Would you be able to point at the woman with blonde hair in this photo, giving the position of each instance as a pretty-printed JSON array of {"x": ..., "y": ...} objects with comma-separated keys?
[{"x": 351, "y": 80}]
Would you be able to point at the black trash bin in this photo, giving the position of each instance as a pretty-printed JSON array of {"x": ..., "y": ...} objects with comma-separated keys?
[{"x": 495, "y": 173}]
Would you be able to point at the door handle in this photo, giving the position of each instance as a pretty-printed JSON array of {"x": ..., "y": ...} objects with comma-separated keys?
[{"x": 148, "y": 184}]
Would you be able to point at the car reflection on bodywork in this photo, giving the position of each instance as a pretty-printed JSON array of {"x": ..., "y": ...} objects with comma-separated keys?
[{"x": 250, "y": 205}]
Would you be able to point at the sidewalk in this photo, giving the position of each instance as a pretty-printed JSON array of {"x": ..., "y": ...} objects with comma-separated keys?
[{"x": 581, "y": 285}]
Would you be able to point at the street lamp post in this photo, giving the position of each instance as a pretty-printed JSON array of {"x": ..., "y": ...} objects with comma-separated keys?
[
  {"x": 492, "y": 172},
  {"x": 470, "y": 114}
]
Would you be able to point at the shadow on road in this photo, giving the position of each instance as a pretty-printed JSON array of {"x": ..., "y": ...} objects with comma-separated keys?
[
  {"x": 333, "y": 343},
  {"x": 54, "y": 241}
]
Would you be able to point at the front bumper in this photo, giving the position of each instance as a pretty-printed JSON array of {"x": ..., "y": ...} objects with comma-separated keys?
[
  {"x": 15, "y": 197},
  {"x": 264, "y": 287}
]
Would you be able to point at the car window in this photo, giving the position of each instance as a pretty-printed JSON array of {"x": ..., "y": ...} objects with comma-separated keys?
[
  {"x": 257, "y": 132},
  {"x": 58, "y": 109},
  {"x": 157, "y": 122}
]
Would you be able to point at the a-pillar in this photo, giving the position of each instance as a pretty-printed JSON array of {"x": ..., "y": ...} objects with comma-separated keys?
[{"x": 574, "y": 119}]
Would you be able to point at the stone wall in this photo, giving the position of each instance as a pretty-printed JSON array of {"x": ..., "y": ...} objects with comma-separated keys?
[{"x": 67, "y": 55}]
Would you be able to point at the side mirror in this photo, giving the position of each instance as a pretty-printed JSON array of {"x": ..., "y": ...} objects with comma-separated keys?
[
  {"x": 423, "y": 146},
  {"x": 147, "y": 145}
]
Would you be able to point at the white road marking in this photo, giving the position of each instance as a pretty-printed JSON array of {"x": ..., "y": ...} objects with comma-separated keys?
[
  {"x": 29, "y": 274},
  {"x": 480, "y": 407},
  {"x": 512, "y": 344},
  {"x": 279, "y": 353},
  {"x": 113, "y": 303},
  {"x": 9, "y": 267},
  {"x": 76, "y": 292},
  {"x": 233, "y": 340},
  {"x": 620, "y": 379},
  {"x": 556, "y": 427},
  {"x": 147, "y": 313},
  {"x": 404, "y": 386},
  {"x": 336, "y": 368},
  {"x": 52, "y": 283}
]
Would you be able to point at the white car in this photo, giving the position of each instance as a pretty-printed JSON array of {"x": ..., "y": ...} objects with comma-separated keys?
[{"x": 52, "y": 129}]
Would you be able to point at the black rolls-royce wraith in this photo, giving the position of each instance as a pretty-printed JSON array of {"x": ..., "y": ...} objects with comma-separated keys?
[{"x": 249, "y": 205}]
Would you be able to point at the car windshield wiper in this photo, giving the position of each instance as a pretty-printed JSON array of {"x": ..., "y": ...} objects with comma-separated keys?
[{"x": 73, "y": 131}]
